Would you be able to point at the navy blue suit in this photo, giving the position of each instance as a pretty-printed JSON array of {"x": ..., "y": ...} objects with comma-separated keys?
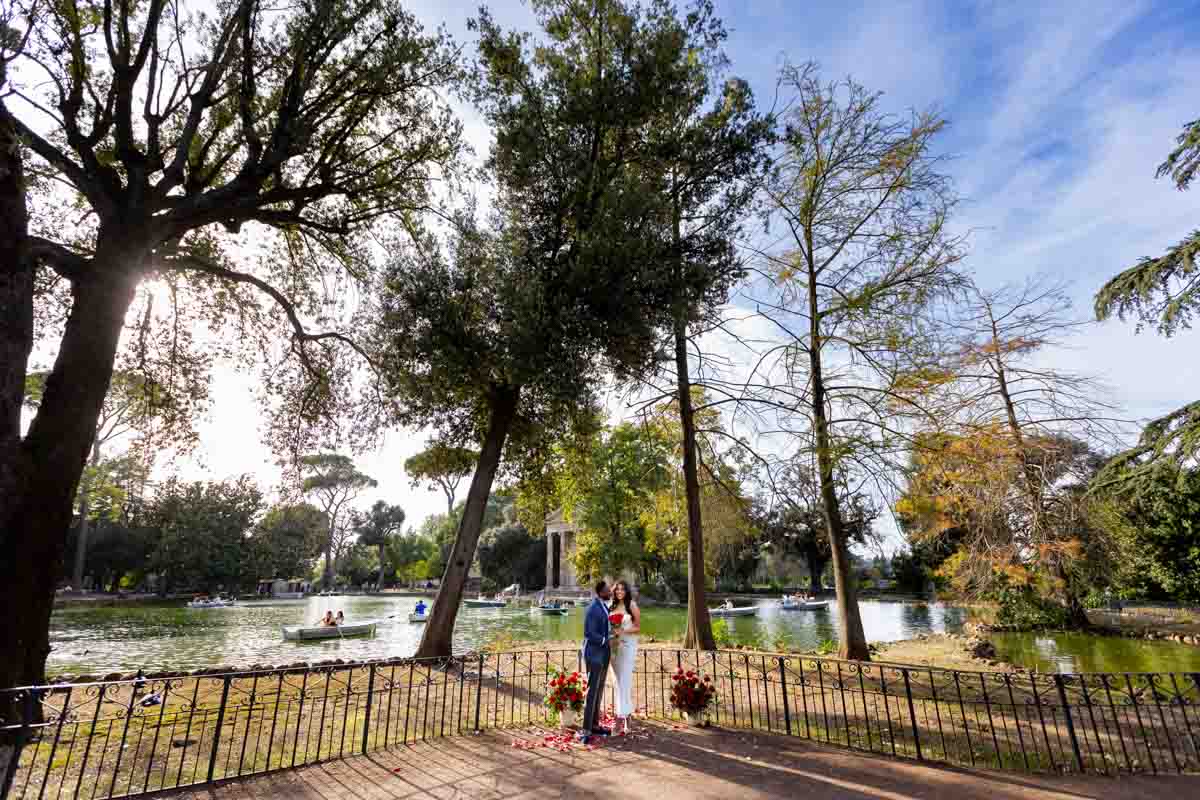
[{"x": 596, "y": 654}]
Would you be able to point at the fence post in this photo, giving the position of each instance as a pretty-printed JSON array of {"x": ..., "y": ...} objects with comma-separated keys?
[
  {"x": 912, "y": 713},
  {"x": 787, "y": 712},
  {"x": 1062, "y": 698},
  {"x": 212, "y": 757},
  {"x": 370, "y": 694},
  {"x": 478, "y": 692}
]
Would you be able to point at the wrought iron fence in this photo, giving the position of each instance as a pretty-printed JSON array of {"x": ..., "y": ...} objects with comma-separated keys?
[{"x": 129, "y": 737}]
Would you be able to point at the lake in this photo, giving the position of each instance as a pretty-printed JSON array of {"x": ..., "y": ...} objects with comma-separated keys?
[
  {"x": 1082, "y": 652},
  {"x": 164, "y": 636},
  {"x": 172, "y": 636}
]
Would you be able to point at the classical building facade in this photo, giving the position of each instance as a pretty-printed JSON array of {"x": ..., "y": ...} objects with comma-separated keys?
[{"x": 560, "y": 549}]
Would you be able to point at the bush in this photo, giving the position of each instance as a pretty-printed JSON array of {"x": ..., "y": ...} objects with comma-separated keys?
[
  {"x": 721, "y": 634},
  {"x": 1022, "y": 609}
]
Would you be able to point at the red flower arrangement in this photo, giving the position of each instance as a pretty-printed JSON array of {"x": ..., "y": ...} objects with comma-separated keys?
[
  {"x": 565, "y": 690},
  {"x": 615, "y": 619},
  {"x": 691, "y": 692}
]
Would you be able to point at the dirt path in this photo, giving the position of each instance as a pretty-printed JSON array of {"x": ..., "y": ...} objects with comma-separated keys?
[{"x": 662, "y": 763}]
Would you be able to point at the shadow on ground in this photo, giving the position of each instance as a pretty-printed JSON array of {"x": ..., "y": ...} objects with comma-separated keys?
[{"x": 662, "y": 763}]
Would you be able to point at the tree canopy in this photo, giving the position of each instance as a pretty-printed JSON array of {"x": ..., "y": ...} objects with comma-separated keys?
[{"x": 443, "y": 465}]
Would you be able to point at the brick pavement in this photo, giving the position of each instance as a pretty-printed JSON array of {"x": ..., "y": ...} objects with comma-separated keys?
[{"x": 664, "y": 763}]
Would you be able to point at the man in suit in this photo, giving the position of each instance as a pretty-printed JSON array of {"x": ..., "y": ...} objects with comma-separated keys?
[{"x": 596, "y": 653}]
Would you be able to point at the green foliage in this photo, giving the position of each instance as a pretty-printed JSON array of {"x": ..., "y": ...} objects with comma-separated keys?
[
  {"x": 1163, "y": 291},
  {"x": 1024, "y": 608},
  {"x": 413, "y": 556},
  {"x": 721, "y": 633},
  {"x": 359, "y": 565},
  {"x": 380, "y": 524},
  {"x": 795, "y": 526},
  {"x": 203, "y": 532},
  {"x": 442, "y": 464},
  {"x": 826, "y": 647},
  {"x": 1157, "y": 522},
  {"x": 287, "y": 541},
  {"x": 509, "y": 554}
]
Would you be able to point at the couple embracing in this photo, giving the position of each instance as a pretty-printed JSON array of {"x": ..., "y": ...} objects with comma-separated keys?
[{"x": 605, "y": 643}]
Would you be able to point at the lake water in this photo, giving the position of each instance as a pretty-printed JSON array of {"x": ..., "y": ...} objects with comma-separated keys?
[
  {"x": 1081, "y": 652},
  {"x": 172, "y": 636}
]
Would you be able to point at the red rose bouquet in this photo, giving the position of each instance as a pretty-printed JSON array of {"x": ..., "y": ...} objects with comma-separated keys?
[
  {"x": 691, "y": 692},
  {"x": 565, "y": 690}
]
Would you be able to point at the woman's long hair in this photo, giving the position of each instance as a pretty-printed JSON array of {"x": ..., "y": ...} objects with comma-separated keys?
[{"x": 627, "y": 601}]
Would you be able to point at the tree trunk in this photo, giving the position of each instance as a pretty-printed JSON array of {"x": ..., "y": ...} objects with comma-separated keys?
[
  {"x": 327, "y": 573},
  {"x": 16, "y": 341},
  {"x": 853, "y": 639},
  {"x": 84, "y": 525},
  {"x": 814, "y": 579},
  {"x": 438, "y": 639},
  {"x": 35, "y": 511},
  {"x": 699, "y": 635},
  {"x": 382, "y": 564}
]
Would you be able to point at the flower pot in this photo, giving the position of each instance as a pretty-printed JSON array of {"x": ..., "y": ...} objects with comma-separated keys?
[
  {"x": 696, "y": 719},
  {"x": 568, "y": 718}
]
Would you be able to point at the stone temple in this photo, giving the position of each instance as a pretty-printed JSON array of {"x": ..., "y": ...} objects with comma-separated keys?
[{"x": 560, "y": 549}]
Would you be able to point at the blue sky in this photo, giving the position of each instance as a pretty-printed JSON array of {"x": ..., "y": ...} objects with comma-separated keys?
[{"x": 1059, "y": 113}]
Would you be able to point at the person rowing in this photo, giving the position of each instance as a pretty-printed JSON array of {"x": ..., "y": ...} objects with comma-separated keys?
[
  {"x": 421, "y": 607},
  {"x": 328, "y": 621}
]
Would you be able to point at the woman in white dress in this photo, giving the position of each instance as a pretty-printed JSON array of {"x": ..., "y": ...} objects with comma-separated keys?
[{"x": 625, "y": 655}]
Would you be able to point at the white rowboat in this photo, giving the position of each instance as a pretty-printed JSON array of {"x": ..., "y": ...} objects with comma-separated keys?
[
  {"x": 805, "y": 606},
  {"x": 215, "y": 603},
  {"x": 418, "y": 617},
  {"x": 481, "y": 603},
  {"x": 300, "y": 633},
  {"x": 552, "y": 611},
  {"x": 742, "y": 611}
]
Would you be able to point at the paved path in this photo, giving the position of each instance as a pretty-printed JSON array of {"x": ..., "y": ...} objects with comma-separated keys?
[{"x": 663, "y": 764}]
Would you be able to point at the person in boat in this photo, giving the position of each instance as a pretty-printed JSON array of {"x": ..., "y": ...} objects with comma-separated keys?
[
  {"x": 328, "y": 621},
  {"x": 341, "y": 619},
  {"x": 421, "y": 607},
  {"x": 728, "y": 605}
]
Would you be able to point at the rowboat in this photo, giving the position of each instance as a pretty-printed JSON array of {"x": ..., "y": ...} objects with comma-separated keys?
[
  {"x": 418, "y": 617},
  {"x": 804, "y": 605},
  {"x": 300, "y": 633},
  {"x": 553, "y": 611},
  {"x": 216, "y": 602},
  {"x": 737, "y": 611},
  {"x": 481, "y": 603}
]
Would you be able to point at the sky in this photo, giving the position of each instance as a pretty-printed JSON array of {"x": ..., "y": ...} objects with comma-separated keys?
[{"x": 1059, "y": 113}]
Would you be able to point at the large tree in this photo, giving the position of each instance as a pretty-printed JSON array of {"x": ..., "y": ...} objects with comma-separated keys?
[
  {"x": 793, "y": 523},
  {"x": 376, "y": 527},
  {"x": 709, "y": 144},
  {"x": 204, "y": 527},
  {"x": 335, "y": 482},
  {"x": 287, "y": 541},
  {"x": 508, "y": 332},
  {"x": 444, "y": 465},
  {"x": 172, "y": 132},
  {"x": 1004, "y": 394},
  {"x": 1163, "y": 292},
  {"x": 863, "y": 210}
]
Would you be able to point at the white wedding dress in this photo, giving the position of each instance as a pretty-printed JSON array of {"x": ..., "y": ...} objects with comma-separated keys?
[{"x": 623, "y": 659}]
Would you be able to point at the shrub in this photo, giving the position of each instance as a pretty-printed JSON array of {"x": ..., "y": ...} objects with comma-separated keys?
[{"x": 1023, "y": 609}]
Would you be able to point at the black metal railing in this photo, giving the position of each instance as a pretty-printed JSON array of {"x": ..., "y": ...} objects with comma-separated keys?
[{"x": 129, "y": 737}]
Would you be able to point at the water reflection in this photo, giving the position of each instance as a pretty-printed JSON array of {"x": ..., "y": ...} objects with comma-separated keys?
[{"x": 174, "y": 637}]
